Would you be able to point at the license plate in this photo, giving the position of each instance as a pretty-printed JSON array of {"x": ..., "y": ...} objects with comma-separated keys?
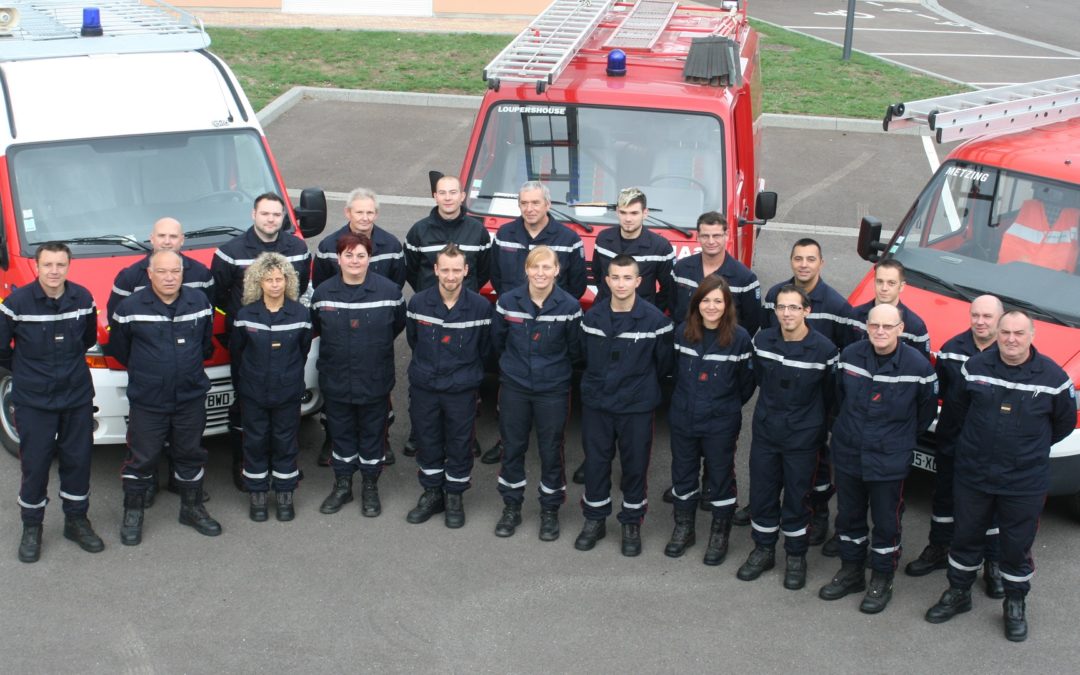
[
  {"x": 219, "y": 399},
  {"x": 924, "y": 461}
]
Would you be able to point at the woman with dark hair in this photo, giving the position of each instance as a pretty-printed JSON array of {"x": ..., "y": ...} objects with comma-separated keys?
[
  {"x": 357, "y": 314},
  {"x": 713, "y": 380},
  {"x": 269, "y": 346}
]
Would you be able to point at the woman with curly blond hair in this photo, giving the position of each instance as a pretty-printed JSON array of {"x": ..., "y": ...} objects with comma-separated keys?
[{"x": 269, "y": 345}]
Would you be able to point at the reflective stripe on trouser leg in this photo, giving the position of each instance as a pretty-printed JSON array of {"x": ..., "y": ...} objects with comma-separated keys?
[
  {"x": 598, "y": 442},
  {"x": 973, "y": 511},
  {"x": 515, "y": 425},
  {"x": 795, "y": 513},
  {"x": 942, "y": 520},
  {"x": 887, "y": 512},
  {"x": 550, "y": 412},
  {"x": 766, "y": 481},
  {"x": 1018, "y": 520},
  {"x": 284, "y": 447},
  {"x": 256, "y": 467},
  {"x": 444, "y": 425},
  {"x": 719, "y": 451},
  {"x": 357, "y": 431},
  {"x": 685, "y": 469},
  {"x": 37, "y": 445},
  {"x": 634, "y": 432},
  {"x": 852, "y": 502},
  {"x": 823, "y": 485}
]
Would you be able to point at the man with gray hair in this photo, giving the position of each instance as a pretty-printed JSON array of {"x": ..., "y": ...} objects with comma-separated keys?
[{"x": 1015, "y": 404}]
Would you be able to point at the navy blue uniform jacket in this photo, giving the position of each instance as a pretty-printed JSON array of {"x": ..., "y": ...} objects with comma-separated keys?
[
  {"x": 623, "y": 371},
  {"x": 48, "y": 369},
  {"x": 830, "y": 313},
  {"x": 881, "y": 410},
  {"x": 163, "y": 347},
  {"x": 387, "y": 258},
  {"x": 133, "y": 278},
  {"x": 449, "y": 346},
  {"x": 745, "y": 288},
  {"x": 915, "y": 333},
  {"x": 655, "y": 259},
  {"x": 712, "y": 383},
  {"x": 232, "y": 260},
  {"x": 512, "y": 245},
  {"x": 430, "y": 235},
  {"x": 357, "y": 325},
  {"x": 537, "y": 346},
  {"x": 796, "y": 383},
  {"x": 269, "y": 350}
]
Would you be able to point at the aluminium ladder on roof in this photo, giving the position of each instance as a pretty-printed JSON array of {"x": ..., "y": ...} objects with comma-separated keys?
[
  {"x": 542, "y": 51},
  {"x": 52, "y": 28},
  {"x": 1011, "y": 108},
  {"x": 643, "y": 26}
]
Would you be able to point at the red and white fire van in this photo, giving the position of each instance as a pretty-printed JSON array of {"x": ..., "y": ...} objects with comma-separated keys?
[
  {"x": 1001, "y": 216},
  {"x": 597, "y": 95},
  {"x": 114, "y": 116}
]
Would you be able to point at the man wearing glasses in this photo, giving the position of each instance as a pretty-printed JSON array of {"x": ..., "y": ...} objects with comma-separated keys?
[
  {"x": 712, "y": 234},
  {"x": 887, "y": 396}
]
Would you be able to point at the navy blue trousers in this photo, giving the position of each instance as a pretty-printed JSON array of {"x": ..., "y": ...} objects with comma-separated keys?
[
  {"x": 719, "y": 453},
  {"x": 774, "y": 470},
  {"x": 885, "y": 500},
  {"x": 1018, "y": 520},
  {"x": 358, "y": 434},
  {"x": 942, "y": 518},
  {"x": 444, "y": 426},
  {"x": 270, "y": 445},
  {"x": 601, "y": 433},
  {"x": 520, "y": 412},
  {"x": 148, "y": 431},
  {"x": 66, "y": 435}
]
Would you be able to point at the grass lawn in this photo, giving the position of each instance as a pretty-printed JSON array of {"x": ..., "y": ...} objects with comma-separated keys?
[{"x": 802, "y": 75}]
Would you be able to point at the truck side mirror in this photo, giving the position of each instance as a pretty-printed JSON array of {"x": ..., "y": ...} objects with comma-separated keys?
[
  {"x": 312, "y": 212},
  {"x": 765, "y": 206},
  {"x": 869, "y": 245}
]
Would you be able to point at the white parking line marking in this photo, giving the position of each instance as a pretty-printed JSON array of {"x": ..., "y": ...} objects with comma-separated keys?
[
  {"x": 931, "y": 153},
  {"x": 983, "y": 56},
  {"x": 891, "y": 30}
]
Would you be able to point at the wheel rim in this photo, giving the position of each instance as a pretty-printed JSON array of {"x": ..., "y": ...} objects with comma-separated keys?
[{"x": 7, "y": 409}]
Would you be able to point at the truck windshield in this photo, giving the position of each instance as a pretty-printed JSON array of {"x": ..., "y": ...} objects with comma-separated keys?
[
  {"x": 587, "y": 154},
  {"x": 107, "y": 193},
  {"x": 979, "y": 229}
]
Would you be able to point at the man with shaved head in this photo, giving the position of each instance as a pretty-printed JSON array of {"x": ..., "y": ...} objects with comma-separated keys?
[
  {"x": 1014, "y": 405},
  {"x": 887, "y": 396},
  {"x": 985, "y": 312}
]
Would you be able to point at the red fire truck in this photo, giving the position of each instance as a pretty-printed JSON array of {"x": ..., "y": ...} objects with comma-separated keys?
[
  {"x": 1001, "y": 216},
  {"x": 597, "y": 95}
]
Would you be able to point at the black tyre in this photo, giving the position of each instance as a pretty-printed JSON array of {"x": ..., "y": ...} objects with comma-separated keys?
[{"x": 8, "y": 435}]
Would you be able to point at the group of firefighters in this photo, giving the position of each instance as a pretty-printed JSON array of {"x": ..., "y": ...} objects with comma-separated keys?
[{"x": 842, "y": 392}]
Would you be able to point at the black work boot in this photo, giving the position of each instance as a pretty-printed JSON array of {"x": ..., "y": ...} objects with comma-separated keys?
[
  {"x": 430, "y": 503},
  {"x": 327, "y": 446},
  {"x": 878, "y": 593},
  {"x": 741, "y": 517},
  {"x": 30, "y": 544},
  {"x": 850, "y": 579},
  {"x": 455, "y": 510},
  {"x": 493, "y": 454},
  {"x": 1016, "y": 628},
  {"x": 719, "y": 535},
  {"x": 819, "y": 526},
  {"x": 579, "y": 474},
  {"x": 831, "y": 549},
  {"x": 668, "y": 497},
  {"x": 995, "y": 587},
  {"x": 591, "y": 532},
  {"x": 760, "y": 559},
  {"x": 131, "y": 526},
  {"x": 151, "y": 493},
  {"x": 339, "y": 496},
  {"x": 549, "y": 524},
  {"x": 193, "y": 513},
  {"x": 795, "y": 572},
  {"x": 508, "y": 522},
  {"x": 285, "y": 509},
  {"x": 370, "y": 506},
  {"x": 682, "y": 537},
  {"x": 388, "y": 459},
  {"x": 631, "y": 539},
  {"x": 953, "y": 601},
  {"x": 258, "y": 510},
  {"x": 79, "y": 530},
  {"x": 933, "y": 557}
]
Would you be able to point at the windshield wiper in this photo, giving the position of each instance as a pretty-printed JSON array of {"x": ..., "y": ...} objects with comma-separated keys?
[
  {"x": 212, "y": 230},
  {"x": 566, "y": 216},
  {"x": 1039, "y": 310},
  {"x": 671, "y": 226},
  {"x": 122, "y": 239},
  {"x": 960, "y": 291}
]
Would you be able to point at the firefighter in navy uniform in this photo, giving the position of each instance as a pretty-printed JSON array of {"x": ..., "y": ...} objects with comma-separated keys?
[
  {"x": 449, "y": 329},
  {"x": 45, "y": 329},
  {"x": 713, "y": 379},
  {"x": 536, "y": 332},
  {"x": 986, "y": 311},
  {"x": 269, "y": 347},
  {"x": 357, "y": 314},
  {"x": 387, "y": 259},
  {"x": 1016, "y": 403},
  {"x": 888, "y": 284},
  {"x": 795, "y": 370},
  {"x": 162, "y": 334},
  {"x": 167, "y": 234},
  {"x": 712, "y": 234},
  {"x": 652, "y": 253},
  {"x": 628, "y": 347},
  {"x": 228, "y": 266},
  {"x": 512, "y": 245},
  {"x": 887, "y": 396},
  {"x": 830, "y": 315}
]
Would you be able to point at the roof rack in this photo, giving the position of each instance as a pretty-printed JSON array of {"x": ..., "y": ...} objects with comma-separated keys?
[
  {"x": 1011, "y": 108},
  {"x": 643, "y": 26},
  {"x": 542, "y": 51},
  {"x": 52, "y": 28}
]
